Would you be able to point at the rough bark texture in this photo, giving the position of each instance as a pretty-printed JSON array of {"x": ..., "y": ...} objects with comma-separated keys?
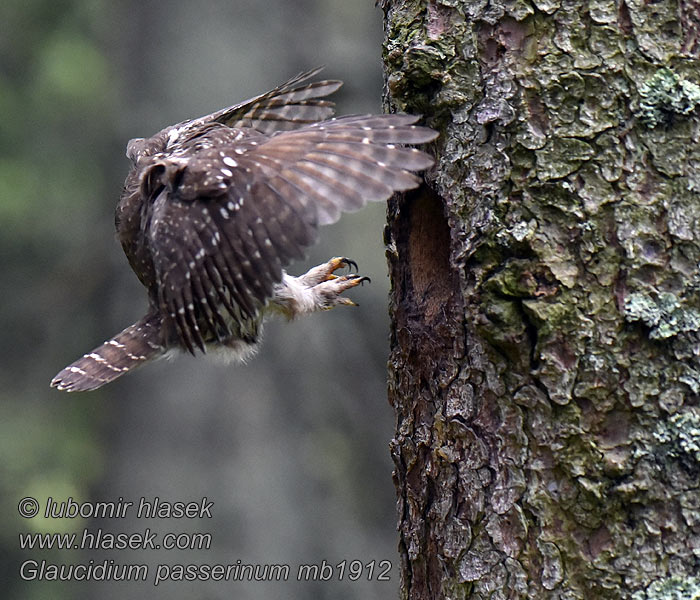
[{"x": 545, "y": 364}]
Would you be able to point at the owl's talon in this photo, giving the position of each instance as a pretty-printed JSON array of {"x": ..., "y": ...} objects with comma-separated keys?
[
  {"x": 350, "y": 264},
  {"x": 357, "y": 279},
  {"x": 339, "y": 262},
  {"x": 317, "y": 289},
  {"x": 325, "y": 272}
]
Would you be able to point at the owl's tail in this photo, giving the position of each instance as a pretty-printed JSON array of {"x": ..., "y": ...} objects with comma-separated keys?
[{"x": 127, "y": 350}]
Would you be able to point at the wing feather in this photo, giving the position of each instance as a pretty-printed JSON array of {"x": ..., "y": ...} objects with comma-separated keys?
[
  {"x": 358, "y": 167},
  {"x": 237, "y": 206},
  {"x": 288, "y": 106}
]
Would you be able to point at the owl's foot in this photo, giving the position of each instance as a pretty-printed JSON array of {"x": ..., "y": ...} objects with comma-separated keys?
[
  {"x": 325, "y": 272},
  {"x": 317, "y": 289}
]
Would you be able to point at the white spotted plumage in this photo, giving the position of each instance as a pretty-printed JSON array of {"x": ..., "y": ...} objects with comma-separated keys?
[{"x": 209, "y": 235}]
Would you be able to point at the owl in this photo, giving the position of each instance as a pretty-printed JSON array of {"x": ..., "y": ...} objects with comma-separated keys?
[{"x": 214, "y": 209}]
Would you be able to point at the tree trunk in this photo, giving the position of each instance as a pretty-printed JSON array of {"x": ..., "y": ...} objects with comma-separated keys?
[{"x": 545, "y": 349}]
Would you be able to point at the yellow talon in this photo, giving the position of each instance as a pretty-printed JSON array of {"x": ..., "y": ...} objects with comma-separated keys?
[{"x": 336, "y": 263}]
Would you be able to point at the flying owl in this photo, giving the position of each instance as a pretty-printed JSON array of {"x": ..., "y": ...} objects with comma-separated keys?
[{"x": 214, "y": 208}]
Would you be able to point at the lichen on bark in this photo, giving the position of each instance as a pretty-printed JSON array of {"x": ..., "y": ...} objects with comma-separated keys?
[
  {"x": 665, "y": 97},
  {"x": 545, "y": 372},
  {"x": 671, "y": 588}
]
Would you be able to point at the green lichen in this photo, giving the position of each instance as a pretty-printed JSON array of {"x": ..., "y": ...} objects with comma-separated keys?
[
  {"x": 666, "y": 315},
  {"x": 562, "y": 156},
  {"x": 682, "y": 433},
  {"x": 519, "y": 278},
  {"x": 672, "y": 588},
  {"x": 665, "y": 96},
  {"x": 418, "y": 63}
]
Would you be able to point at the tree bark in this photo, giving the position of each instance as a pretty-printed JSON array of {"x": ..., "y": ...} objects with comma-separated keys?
[{"x": 545, "y": 348}]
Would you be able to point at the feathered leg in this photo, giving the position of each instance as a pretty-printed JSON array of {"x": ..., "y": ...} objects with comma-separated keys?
[{"x": 317, "y": 289}]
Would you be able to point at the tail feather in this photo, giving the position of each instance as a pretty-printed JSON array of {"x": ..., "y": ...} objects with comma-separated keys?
[{"x": 134, "y": 346}]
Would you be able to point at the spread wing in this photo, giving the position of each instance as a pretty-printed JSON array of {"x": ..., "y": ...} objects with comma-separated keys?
[
  {"x": 288, "y": 106},
  {"x": 230, "y": 208}
]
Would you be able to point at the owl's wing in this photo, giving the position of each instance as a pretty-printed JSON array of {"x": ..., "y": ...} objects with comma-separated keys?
[
  {"x": 288, "y": 106},
  {"x": 224, "y": 220}
]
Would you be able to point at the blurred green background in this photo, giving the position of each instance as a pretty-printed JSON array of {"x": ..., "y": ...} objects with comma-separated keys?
[{"x": 293, "y": 447}]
